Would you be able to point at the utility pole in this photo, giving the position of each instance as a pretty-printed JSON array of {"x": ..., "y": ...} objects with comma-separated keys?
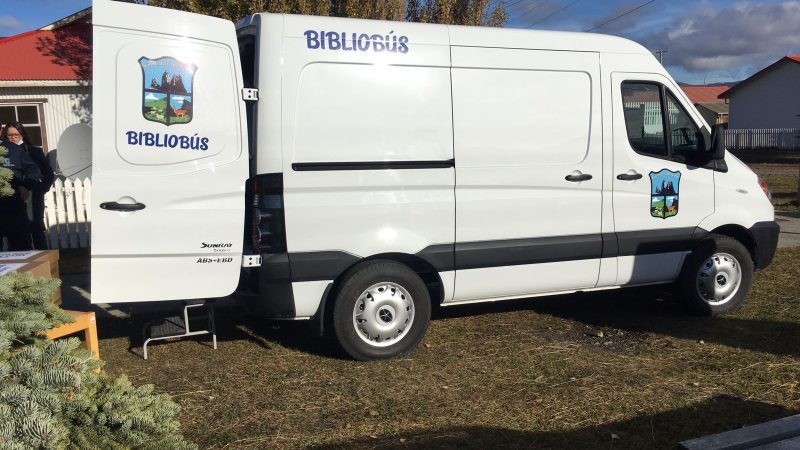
[{"x": 660, "y": 53}]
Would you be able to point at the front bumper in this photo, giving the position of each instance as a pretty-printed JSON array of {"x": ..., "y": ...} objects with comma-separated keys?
[{"x": 765, "y": 235}]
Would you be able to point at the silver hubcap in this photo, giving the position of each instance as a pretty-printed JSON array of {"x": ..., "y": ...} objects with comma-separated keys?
[
  {"x": 719, "y": 278},
  {"x": 383, "y": 314}
]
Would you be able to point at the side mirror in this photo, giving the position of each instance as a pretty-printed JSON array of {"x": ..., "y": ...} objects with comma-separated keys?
[
  {"x": 700, "y": 138},
  {"x": 717, "y": 142}
]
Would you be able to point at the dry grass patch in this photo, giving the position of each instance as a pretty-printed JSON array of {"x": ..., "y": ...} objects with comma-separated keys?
[{"x": 621, "y": 369}]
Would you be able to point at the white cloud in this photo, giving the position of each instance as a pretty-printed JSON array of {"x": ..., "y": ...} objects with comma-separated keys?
[
  {"x": 713, "y": 38},
  {"x": 150, "y": 96},
  {"x": 9, "y": 22}
]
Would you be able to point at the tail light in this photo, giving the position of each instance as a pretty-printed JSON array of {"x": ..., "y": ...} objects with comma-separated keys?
[{"x": 267, "y": 230}]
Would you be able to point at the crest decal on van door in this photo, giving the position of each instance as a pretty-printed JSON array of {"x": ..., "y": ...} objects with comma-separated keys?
[
  {"x": 664, "y": 192},
  {"x": 167, "y": 90}
]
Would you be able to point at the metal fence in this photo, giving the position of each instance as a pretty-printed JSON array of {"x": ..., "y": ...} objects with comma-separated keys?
[{"x": 763, "y": 138}]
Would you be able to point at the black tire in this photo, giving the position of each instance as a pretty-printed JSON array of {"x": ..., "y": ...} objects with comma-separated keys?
[
  {"x": 399, "y": 277},
  {"x": 692, "y": 286}
]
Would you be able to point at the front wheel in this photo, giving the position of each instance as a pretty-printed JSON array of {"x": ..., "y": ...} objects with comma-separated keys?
[
  {"x": 717, "y": 276},
  {"x": 381, "y": 311}
]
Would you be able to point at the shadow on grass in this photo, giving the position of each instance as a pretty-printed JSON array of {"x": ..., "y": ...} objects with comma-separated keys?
[
  {"x": 638, "y": 310},
  {"x": 232, "y": 324},
  {"x": 653, "y": 310},
  {"x": 664, "y": 430}
]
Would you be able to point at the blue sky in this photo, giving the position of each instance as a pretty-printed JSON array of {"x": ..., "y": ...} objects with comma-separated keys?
[
  {"x": 24, "y": 15},
  {"x": 707, "y": 40}
]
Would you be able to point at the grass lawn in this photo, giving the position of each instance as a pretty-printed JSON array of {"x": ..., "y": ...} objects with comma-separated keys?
[{"x": 613, "y": 369}]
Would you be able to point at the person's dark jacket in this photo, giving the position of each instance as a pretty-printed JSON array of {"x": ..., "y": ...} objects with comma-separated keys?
[
  {"x": 47, "y": 174},
  {"x": 26, "y": 173}
]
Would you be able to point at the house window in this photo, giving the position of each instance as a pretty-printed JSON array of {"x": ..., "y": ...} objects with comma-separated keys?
[{"x": 29, "y": 115}]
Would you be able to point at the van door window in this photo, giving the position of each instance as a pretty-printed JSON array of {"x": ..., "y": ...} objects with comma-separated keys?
[
  {"x": 683, "y": 131},
  {"x": 644, "y": 118}
]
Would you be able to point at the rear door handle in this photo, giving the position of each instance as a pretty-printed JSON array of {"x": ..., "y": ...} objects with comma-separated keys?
[
  {"x": 114, "y": 206},
  {"x": 629, "y": 176},
  {"x": 578, "y": 177}
]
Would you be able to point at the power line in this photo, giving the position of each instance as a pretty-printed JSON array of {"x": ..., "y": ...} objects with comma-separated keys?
[
  {"x": 553, "y": 14},
  {"x": 514, "y": 8},
  {"x": 620, "y": 16},
  {"x": 532, "y": 8}
]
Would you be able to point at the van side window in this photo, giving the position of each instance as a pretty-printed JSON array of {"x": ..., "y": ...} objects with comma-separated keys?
[
  {"x": 683, "y": 131},
  {"x": 644, "y": 118}
]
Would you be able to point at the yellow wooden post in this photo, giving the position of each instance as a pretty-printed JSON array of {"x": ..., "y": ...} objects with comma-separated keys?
[{"x": 84, "y": 321}]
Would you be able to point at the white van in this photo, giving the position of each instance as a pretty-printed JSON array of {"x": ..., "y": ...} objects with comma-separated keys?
[{"x": 358, "y": 172}]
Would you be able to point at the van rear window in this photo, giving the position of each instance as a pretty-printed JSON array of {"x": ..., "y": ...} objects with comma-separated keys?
[{"x": 643, "y": 118}]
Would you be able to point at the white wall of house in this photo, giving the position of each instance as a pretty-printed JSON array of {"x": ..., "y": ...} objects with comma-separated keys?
[
  {"x": 60, "y": 107},
  {"x": 770, "y": 101}
]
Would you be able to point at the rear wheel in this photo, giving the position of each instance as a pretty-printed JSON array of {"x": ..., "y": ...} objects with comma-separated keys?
[
  {"x": 717, "y": 276},
  {"x": 382, "y": 310}
]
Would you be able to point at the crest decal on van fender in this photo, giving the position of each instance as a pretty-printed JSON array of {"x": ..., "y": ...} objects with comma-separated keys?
[
  {"x": 664, "y": 193},
  {"x": 167, "y": 90}
]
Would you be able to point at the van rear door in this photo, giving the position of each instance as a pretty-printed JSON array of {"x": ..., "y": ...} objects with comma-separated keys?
[{"x": 169, "y": 155}]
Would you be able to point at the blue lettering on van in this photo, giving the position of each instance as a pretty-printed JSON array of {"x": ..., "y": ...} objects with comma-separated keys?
[
  {"x": 166, "y": 140},
  {"x": 356, "y": 42}
]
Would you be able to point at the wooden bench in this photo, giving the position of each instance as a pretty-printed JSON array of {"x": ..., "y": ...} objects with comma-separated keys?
[{"x": 84, "y": 321}]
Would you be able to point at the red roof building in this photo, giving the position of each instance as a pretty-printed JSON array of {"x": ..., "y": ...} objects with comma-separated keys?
[
  {"x": 47, "y": 85},
  {"x": 58, "y": 54},
  {"x": 704, "y": 94}
]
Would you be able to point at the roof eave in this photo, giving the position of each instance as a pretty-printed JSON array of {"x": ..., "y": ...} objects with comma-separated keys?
[
  {"x": 44, "y": 83},
  {"x": 759, "y": 74}
]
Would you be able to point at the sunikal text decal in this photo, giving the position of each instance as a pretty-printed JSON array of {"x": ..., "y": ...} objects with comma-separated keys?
[{"x": 356, "y": 42}]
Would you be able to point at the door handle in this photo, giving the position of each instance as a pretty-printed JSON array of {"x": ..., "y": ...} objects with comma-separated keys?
[
  {"x": 578, "y": 177},
  {"x": 114, "y": 206},
  {"x": 629, "y": 176}
]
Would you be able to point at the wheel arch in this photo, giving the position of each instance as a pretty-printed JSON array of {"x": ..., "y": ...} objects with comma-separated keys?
[
  {"x": 741, "y": 234},
  {"x": 430, "y": 276}
]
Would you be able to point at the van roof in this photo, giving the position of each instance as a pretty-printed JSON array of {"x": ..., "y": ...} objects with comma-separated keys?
[
  {"x": 468, "y": 36},
  {"x": 540, "y": 39}
]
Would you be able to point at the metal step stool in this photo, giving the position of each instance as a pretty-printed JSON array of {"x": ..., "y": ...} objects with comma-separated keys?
[{"x": 180, "y": 326}]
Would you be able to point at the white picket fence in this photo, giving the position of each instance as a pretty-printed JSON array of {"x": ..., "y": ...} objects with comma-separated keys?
[{"x": 68, "y": 213}]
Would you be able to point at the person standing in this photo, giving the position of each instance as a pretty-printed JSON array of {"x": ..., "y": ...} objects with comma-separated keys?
[
  {"x": 14, "y": 223},
  {"x": 15, "y": 133}
]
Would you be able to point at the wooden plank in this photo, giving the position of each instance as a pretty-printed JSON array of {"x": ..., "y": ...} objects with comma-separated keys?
[
  {"x": 72, "y": 223},
  {"x": 61, "y": 214},
  {"x": 51, "y": 223},
  {"x": 80, "y": 213},
  {"x": 84, "y": 321}
]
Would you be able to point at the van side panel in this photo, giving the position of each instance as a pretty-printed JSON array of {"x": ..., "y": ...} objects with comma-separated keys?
[
  {"x": 367, "y": 149},
  {"x": 524, "y": 121}
]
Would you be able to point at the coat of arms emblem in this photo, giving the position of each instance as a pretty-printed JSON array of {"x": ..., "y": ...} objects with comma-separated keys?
[
  {"x": 664, "y": 189},
  {"x": 167, "y": 90}
]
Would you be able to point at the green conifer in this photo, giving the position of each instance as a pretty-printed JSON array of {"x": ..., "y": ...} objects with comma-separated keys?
[
  {"x": 5, "y": 177},
  {"x": 50, "y": 396}
]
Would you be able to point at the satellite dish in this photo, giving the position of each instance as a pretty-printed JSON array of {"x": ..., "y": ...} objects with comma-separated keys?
[{"x": 74, "y": 151}]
